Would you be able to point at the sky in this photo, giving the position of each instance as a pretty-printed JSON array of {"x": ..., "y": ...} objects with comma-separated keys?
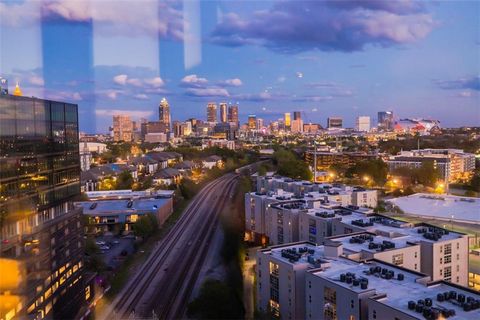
[{"x": 323, "y": 58}]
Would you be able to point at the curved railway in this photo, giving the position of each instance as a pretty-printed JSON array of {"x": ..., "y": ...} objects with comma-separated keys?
[{"x": 164, "y": 282}]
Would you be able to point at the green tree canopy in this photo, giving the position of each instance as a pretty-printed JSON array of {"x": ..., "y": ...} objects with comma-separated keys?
[{"x": 124, "y": 181}]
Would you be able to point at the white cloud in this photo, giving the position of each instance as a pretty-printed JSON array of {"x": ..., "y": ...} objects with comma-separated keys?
[
  {"x": 141, "y": 96},
  {"x": 120, "y": 79},
  {"x": 193, "y": 80},
  {"x": 36, "y": 80},
  {"x": 155, "y": 82},
  {"x": 235, "y": 82},
  {"x": 208, "y": 92},
  {"x": 135, "y": 82}
]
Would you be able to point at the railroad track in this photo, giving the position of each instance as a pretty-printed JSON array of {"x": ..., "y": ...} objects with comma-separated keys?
[
  {"x": 176, "y": 292},
  {"x": 128, "y": 303}
]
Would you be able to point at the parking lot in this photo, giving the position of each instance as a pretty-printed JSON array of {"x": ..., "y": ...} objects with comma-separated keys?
[{"x": 114, "y": 249}]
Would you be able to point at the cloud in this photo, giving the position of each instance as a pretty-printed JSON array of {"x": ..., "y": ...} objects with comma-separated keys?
[
  {"x": 207, "y": 92},
  {"x": 131, "y": 113},
  {"x": 256, "y": 97},
  {"x": 155, "y": 82},
  {"x": 467, "y": 83},
  {"x": 120, "y": 79},
  {"x": 231, "y": 83},
  {"x": 293, "y": 26},
  {"x": 135, "y": 82},
  {"x": 141, "y": 96},
  {"x": 281, "y": 79},
  {"x": 193, "y": 80},
  {"x": 313, "y": 98},
  {"x": 321, "y": 85},
  {"x": 112, "y": 94},
  {"x": 127, "y": 18},
  {"x": 36, "y": 80}
]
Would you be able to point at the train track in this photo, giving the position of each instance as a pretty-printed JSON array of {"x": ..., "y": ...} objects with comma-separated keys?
[
  {"x": 172, "y": 303},
  {"x": 129, "y": 302}
]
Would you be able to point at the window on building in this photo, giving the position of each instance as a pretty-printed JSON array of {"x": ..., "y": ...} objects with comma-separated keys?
[{"x": 397, "y": 259}]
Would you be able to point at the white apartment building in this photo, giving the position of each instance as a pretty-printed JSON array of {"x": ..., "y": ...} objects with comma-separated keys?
[
  {"x": 304, "y": 281},
  {"x": 375, "y": 290},
  {"x": 443, "y": 253}
]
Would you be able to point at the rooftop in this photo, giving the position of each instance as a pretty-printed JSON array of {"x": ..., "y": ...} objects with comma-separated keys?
[
  {"x": 121, "y": 206},
  {"x": 440, "y": 206},
  {"x": 305, "y": 253},
  {"x": 393, "y": 290},
  {"x": 372, "y": 243}
]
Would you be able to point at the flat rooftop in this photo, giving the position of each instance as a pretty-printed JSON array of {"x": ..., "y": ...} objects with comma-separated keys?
[
  {"x": 464, "y": 209},
  {"x": 372, "y": 243},
  {"x": 121, "y": 206},
  {"x": 398, "y": 292},
  {"x": 306, "y": 251}
]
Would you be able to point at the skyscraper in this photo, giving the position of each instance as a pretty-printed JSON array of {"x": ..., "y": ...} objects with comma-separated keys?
[
  {"x": 334, "y": 122},
  {"x": 385, "y": 120},
  {"x": 223, "y": 112},
  {"x": 211, "y": 112},
  {"x": 297, "y": 115},
  {"x": 233, "y": 114},
  {"x": 287, "y": 120},
  {"x": 42, "y": 246},
  {"x": 252, "y": 122},
  {"x": 362, "y": 123},
  {"x": 297, "y": 123},
  {"x": 164, "y": 114},
  {"x": 122, "y": 128}
]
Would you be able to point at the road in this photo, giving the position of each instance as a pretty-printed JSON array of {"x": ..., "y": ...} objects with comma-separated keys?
[{"x": 164, "y": 282}]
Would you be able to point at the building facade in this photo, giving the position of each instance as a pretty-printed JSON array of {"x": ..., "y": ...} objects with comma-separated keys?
[
  {"x": 223, "y": 112},
  {"x": 211, "y": 112},
  {"x": 334, "y": 122},
  {"x": 41, "y": 248},
  {"x": 385, "y": 121},
  {"x": 122, "y": 128},
  {"x": 233, "y": 115},
  {"x": 362, "y": 123},
  {"x": 164, "y": 114}
]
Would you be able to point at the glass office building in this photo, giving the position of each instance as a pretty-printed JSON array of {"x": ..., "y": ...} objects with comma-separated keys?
[{"x": 41, "y": 249}]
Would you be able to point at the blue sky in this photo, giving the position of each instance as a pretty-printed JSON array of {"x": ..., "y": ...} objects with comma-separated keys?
[{"x": 335, "y": 58}]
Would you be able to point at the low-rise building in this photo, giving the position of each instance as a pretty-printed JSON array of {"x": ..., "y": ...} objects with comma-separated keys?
[
  {"x": 123, "y": 213},
  {"x": 212, "y": 162}
]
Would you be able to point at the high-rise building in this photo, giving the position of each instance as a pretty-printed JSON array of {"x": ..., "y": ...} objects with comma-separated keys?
[
  {"x": 164, "y": 113},
  {"x": 334, "y": 122},
  {"x": 122, "y": 128},
  {"x": 211, "y": 112},
  {"x": 252, "y": 122},
  {"x": 297, "y": 115},
  {"x": 362, "y": 123},
  {"x": 287, "y": 120},
  {"x": 233, "y": 114},
  {"x": 223, "y": 112},
  {"x": 42, "y": 246},
  {"x": 259, "y": 123},
  {"x": 385, "y": 120}
]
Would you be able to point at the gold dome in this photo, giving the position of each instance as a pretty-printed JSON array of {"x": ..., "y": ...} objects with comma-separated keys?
[{"x": 17, "y": 92}]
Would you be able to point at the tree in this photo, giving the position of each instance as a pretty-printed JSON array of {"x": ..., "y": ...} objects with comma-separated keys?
[
  {"x": 124, "y": 181},
  {"x": 215, "y": 301},
  {"x": 145, "y": 226},
  {"x": 375, "y": 170},
  {"x": 290, "y": 166},
  {"x": 427, "y": 174}
]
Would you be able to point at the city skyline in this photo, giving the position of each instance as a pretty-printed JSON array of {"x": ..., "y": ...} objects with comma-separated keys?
[{"x": 414, "y": 58}]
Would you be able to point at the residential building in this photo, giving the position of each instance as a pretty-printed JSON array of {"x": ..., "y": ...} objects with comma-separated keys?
[
  {"x": 41, "y": 247},
  {"x": 304, "y": 281},
  {"x": 347, "y": 159},
  {"x": 164, "y": 114},
  {"x": 153, "y": 127},
  {"x": 122, "y": 128},
  {"x": 297, "y": 123},
  {"x": 362, "y": 123},
  {"x": 212, "y": 162},
  {"x": 452, "y": 164},
  {"x": 211, "y": 112},
  {"x": 334, "y": 122},
  {"x": 311, "y": 127}
]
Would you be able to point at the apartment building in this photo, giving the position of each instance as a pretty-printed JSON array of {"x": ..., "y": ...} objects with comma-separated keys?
[
  {"x": 304, "y": 281},
  {"x": 345, "y": 289},
  {"x": 452, "y": 164}
]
